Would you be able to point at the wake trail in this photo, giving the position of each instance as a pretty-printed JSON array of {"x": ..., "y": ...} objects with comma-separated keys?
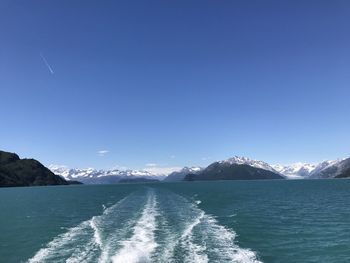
[
  {"x": 87, "y": 241},
  {"x": 150, "y": 225},
  {"x": 140, "y": 246},
  {"x": 194, "y": 236}
]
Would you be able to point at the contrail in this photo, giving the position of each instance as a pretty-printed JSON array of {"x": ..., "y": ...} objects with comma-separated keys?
[{"x": 47, "y": 64}]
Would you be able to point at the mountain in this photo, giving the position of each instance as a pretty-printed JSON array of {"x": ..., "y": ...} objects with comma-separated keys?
[
  {"x": 296, "y": 170},
  {"x": 325, "y": 169},
  {"x": 308, "y": 171},
  {"x": 233, "y": 168},
  {"x": 247, "y": 161},
  {"x": 318, "y": 171},
  {"x": 236, "y": 168},
  {"x": 345, "y": 174},
  {"x": 25, "y": 172},
  {"x": 180, "y": 175},
  {"x": 93, "y": 176},
  {"x": 332, "y": 169}
]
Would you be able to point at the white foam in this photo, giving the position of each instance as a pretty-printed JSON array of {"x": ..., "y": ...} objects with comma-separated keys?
[
  {"x": 126, "y": 233},
  {"x": 85, "y": 254},
  {"x": 196, "y": 251},
  {"x": 97, "y": 234},
  {"x": 65, "y": 245},
  {"x": 221, "y": 243},
  {"x": 140, "y": 246},
  {"x": 205, "y": 240},
  {"x": 54, "y": 247}
]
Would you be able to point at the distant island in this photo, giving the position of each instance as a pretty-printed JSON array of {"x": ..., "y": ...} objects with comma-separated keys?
[{"x": 25, "y": 172}]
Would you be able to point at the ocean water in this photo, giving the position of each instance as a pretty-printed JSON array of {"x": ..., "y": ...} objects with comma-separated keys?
[{"x": 226, "y": 221}]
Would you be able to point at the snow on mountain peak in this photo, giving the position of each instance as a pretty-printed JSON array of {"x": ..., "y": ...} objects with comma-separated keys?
[
  {"x": 324, "y": 165},
  {"x": 85, "y": 174},
  {"x": 303, "y": 170},
  {"x": 192, "y": 169},
  {"x": 295, "y": 170},
  {"x": 244, "y": 160}
]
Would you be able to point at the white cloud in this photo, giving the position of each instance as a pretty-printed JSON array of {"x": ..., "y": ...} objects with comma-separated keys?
[{"x": 102, "y": 152}]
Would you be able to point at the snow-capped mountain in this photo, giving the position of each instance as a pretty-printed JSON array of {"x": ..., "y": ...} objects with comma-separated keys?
[
  {"x": 93, "y": 176},
  {"x": 296, "y": 170},
  {"x": 305, "y": 170},
  {"x": 248, "y": 161},
  {"x": 323, "y": 166},
  {"x": 236, "y": 168},
  {"x": 325, "y": 169},
  {"x": 330, "y": 169},
  {"x": 180, "y": 175}
]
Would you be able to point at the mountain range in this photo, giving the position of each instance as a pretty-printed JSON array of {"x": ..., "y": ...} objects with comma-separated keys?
[
  {"x": 180, "y": 175},
  {"x": 94, "y": 176},
  {"x": 30, "y": 172},
  {"x": 309, "y": 171},
  {"x": 233, "y": 168}
]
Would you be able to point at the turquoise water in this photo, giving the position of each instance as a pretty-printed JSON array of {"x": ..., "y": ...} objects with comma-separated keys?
[{"x": 231, "y": 221}]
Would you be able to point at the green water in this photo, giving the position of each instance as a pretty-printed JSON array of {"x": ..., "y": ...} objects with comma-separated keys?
[{"x": 227, "y": 221}]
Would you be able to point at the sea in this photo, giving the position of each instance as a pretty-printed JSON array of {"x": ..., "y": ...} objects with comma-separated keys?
[{"x": 284, "y": 221}]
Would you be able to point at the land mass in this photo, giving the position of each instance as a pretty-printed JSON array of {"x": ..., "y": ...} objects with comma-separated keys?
[
  {"x": 25, "y": 172},
  {"x": 227, "y": 171}
]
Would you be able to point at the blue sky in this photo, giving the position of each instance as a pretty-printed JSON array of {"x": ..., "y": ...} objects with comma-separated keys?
[{"x": 174, "y": 83}]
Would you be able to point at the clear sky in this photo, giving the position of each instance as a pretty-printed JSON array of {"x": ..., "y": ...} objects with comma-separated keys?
[{"x": 174, "y": 83}]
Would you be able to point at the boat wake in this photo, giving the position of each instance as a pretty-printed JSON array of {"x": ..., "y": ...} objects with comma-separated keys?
[
  {"x": 147, "y": 226},
  {"x": 139, "y": 247}
]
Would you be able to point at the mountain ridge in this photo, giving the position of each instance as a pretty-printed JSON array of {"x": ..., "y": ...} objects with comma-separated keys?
[
  {"x": 293, "y": 171},
  {"x": 25, "y": 172},
  {"x": 232, "y": 171},
  {"x": 94, "y": 176},
  {"x": 180, "y": 175}
]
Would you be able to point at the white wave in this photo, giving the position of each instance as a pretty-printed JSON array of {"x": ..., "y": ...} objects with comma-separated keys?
[
  {"x": 165, "y": 239},
  {"x": 149, "y": 226},
  {"x": 57, "y": 247},
  {"x": 196, "y": 251},
  {"x": 198, "y": 202},
  {"x": 86, "y": 253},
  {"x": 203, "y": 239},
  {"x": 75, "y": 244},
  {"x": 114, "y": 235},
  {"x": 221, "y": 242},
  {"x": 140, "y": 246},
  {"x": 97, "y": 234}
]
